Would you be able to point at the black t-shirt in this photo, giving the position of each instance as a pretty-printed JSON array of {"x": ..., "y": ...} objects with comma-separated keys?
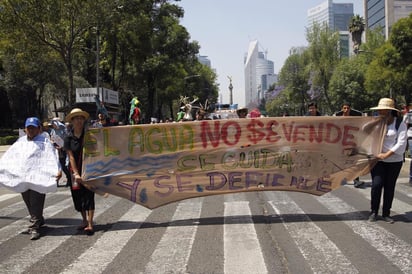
[
  {"x": 352, "y": 112},
  {"x": 75, "y": 144}
]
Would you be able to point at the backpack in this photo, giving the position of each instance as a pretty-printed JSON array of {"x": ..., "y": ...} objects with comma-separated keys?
[{"x": 397, "y": 124}]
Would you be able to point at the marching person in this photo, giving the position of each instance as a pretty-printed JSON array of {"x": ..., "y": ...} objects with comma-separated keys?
[
  {"x": 313, "y": 109},
  {"x": 83, "y": 198},
  {"x": 386, "y": 171},
  {"x": 348, "y": 111},
  {"x": 408, "y": 122},
  {"x": 30, "y": 166}
]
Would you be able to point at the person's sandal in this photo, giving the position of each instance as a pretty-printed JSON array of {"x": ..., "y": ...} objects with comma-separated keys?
[
  {"x": 81, "y": 227},
  {"x": 89, "y": 230}
]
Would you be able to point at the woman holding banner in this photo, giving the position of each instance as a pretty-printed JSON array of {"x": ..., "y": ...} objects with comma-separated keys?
[
  {"x": 83, "y": 198},
  {"x": 386, "y": 171}
]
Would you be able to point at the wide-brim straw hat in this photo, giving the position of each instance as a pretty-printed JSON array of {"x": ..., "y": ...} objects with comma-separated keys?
[
  {"x": 385, "y": 103},
  {"x": 77, "y": 112}
]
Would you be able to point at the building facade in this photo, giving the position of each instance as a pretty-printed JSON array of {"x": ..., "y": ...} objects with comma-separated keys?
[
  {"x": 259, "y": 74},
  {"x": 385, "y": 13},
  {"x": 204, "y": 60},
  {"x": 337, "y": 16}
]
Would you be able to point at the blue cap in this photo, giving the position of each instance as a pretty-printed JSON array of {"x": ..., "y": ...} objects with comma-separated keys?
[{"x": 32, "y": 121}]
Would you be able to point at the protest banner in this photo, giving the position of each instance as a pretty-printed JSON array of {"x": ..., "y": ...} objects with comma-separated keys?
[
  {"x": 29, "y": 165},
  {"x": 153, "y": 165}
]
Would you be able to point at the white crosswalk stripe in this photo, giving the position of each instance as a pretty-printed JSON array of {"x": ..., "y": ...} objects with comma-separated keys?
[
  {"x": 393, "y": 248},
  {"x": 30, "y": 254},
  {"x": 397, "y": 205},
  {"x": 319, "y": 251},
  {"x": 112, "y": 247},
  {"x": 240, "y": 241},
  {"x": 16, "y": 227},
  {"x": 241, "y": 249},
  {"x": 173, "y": 250}
]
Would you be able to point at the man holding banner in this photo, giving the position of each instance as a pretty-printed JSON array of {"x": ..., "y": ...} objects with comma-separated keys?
[{"x": 348, "y": 111}]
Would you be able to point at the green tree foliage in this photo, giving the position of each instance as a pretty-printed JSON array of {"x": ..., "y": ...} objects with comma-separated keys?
[
  {"x": 136, "y": 47},
  {"x": 347, "y": 84},
  {"x": 348, "y": 80},
  {"x": 294, "y": 78},
  {"x": 390, "y": 72},
  {"x": 324, "y": 56}
]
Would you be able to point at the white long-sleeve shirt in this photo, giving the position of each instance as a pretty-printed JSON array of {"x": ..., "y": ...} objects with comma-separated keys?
[{"x": 395, "y": 140}]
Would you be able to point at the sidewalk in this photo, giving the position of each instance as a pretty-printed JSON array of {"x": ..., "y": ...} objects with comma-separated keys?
[{"x": 4, "y": 148}]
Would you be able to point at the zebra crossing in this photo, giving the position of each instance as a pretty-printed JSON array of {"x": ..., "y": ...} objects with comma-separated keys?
[{"x": 257, "y": 232}]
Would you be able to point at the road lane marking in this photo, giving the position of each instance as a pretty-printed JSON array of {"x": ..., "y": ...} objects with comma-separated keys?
[
  {"x": 397, "y": 205},
  {"x": 393, "y": 248},
  {"x": 173, "y": 250},
  {"x": 15, "y": 228},
  {"x": 242, "y": 250},
  {"x": 36, "y": 250},
  {"x": 5, "y": 197},
  {"x": 321, "y": 253},
  {"x": 110, "y": 244}
]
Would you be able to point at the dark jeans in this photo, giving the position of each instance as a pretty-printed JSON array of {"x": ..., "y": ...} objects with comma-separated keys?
[
  {"x": 35, "y": 203},
  {"x": 384, "y": 176}
]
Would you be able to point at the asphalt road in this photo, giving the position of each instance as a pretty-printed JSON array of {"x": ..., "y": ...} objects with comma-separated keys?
[{"x": 257, "y": 232}]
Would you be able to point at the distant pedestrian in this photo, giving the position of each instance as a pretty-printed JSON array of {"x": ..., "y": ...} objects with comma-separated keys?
[
  {"x": 313, "y": 109},
  {"x": 347, "y": 110},
  {"x": 57, "y": 135},
  {"x": 408, "y": 122},
  {"x": 386, "y": 171},
  {"x": 242, "y": 112}
]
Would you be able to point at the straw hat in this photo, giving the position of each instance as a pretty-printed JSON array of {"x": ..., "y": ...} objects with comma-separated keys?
[
  {"x": 77, "y": 112},
  {"x": 385, "y": 103}
]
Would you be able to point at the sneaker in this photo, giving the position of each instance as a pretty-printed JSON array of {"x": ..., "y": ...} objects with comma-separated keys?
[
  {"x": 40, "y": 225},
  {"x": 388, "y": 219},
  {"x": 357, "y": 183},
  {"x": 372, "y": 217},
  {"x": 34, "y": 235},
  {"x": 26, "y": 231}
]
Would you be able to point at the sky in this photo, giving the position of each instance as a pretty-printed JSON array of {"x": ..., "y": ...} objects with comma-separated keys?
[{"x": 224, "y": 28}]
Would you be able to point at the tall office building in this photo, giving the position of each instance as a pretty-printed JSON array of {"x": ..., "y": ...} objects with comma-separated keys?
[
  {"x": 259, "y": 74},
  {"x": 204, "y": 60},
  {"x": 385, "y": 13},
  {"x": 337, "y": 16}
]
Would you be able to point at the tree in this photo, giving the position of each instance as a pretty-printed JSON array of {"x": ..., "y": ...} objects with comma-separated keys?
[
  {"x": 138, "y": 47},
  {"x": 324, "y": 56},
  {"x": 356, "y": 28},
  {"x": 57, "y": 25},
  {"x": 294, "y": 78},
  {"x": 390, "y": 72},
  {"x": 348, "y": 80},
  {"x": 347, "y": 84}
]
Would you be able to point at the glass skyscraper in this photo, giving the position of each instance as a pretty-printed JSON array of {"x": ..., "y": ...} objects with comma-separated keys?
[
  {"x": 385, "y": 13},
  {"x": 257, "y": 71}
]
